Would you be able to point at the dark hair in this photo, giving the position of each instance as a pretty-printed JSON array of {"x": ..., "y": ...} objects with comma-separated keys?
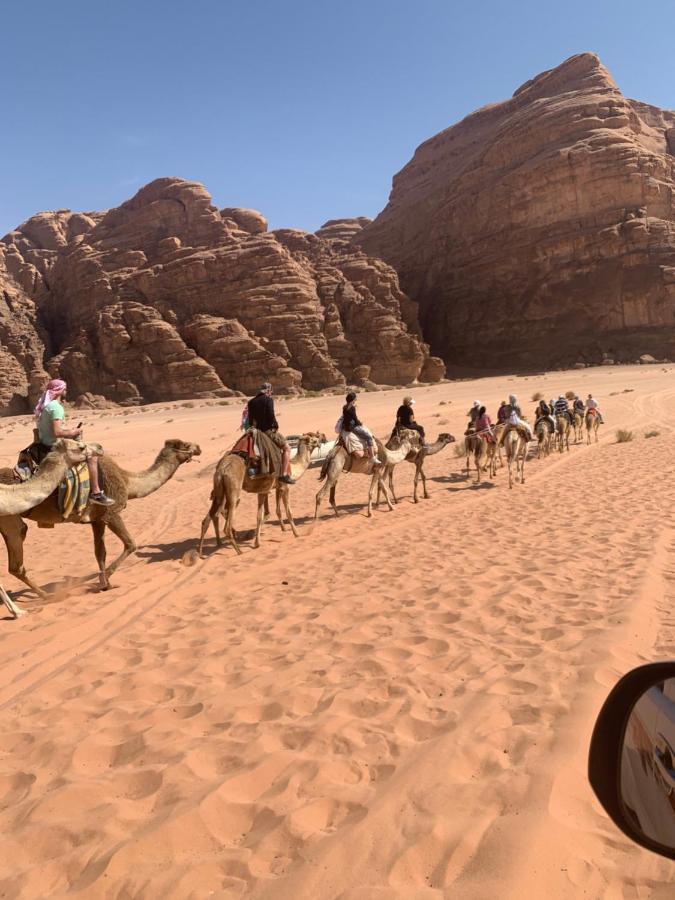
[
  {"x": 350, "y": 396},
  {"x": 481, "y": 411}
]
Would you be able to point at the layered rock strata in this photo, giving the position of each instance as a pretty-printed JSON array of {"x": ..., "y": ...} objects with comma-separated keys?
[
  {"x": 540, "y": 231},
  {"x": 167, "y": 297}
]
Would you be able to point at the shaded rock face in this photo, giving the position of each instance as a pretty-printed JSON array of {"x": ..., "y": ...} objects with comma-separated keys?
[
  {"x": 166, "y": 297},
  {"x": 540, "y": 230}
]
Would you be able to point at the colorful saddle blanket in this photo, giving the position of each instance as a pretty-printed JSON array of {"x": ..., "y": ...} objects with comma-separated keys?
[{"x": 74, "y": 491}]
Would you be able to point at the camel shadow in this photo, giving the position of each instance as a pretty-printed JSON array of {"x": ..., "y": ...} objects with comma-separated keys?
[
  {"x": 452, "y": 478},
  {"x": 176, "y": 551}
]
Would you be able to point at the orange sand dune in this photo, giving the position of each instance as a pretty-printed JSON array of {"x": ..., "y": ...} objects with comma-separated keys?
[{"x": 397, "y": 707}]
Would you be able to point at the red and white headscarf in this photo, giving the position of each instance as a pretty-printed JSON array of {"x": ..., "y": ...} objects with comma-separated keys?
[{"x": 52, "y": 392}]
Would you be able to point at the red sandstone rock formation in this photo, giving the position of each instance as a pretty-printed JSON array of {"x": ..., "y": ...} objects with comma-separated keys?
[
  {"x": 541, "y": 230},
  {"x": 167, "y": 297}
]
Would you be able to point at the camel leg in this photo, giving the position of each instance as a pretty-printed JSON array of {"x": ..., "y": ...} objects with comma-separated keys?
[
  {"x": 286, "y": 496},
  {"x": 420, "y": 472},
  {"x": 231, "y": 504},
  {"x": 391, "y": 485},
  {"x": 98, "y": 529},
  {"x": 375, "y": 480},
  {"x": 211, "y": 516},
  {"x": 116, "y": 524},
  {"x": 13, "y": 530},
  {"x": 267, "y": 507},
  {"x": 280, "y": 516},
  {"x": 378, "y": 478},
  {"x": 321, "y": 496},
  {"x": 259, "y": 519},
  {"x": 15, "y": 610}
]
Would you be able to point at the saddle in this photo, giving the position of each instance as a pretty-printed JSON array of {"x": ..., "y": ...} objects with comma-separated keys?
[
  {"x": 353, "y": 444},
  {"x": 260, "y": 453}
]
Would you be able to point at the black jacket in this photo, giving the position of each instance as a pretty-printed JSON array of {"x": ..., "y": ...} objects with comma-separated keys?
[
  {"x": 350, "y": 420},
  {"x": 261, "y": 413},
  {"x": 404, "y": 416}
]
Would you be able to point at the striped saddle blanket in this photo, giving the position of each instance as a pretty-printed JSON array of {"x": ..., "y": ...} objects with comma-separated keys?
[{"x": 74, "y": 491}]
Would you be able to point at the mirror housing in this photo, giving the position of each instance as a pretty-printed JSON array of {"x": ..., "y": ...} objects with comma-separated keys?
[{"x": 607, "y": 750}]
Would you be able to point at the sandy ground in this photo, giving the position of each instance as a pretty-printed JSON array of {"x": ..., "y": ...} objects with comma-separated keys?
[{"x": 397, "y": 707}]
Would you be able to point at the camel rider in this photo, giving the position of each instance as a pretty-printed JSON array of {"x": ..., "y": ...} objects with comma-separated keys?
[
  {"x": 592, "y": 403},
  {"x": 474, "y": 412},
  {"x": 562, "y": 409},
  {"x": 515, "y": 417},
  {"x": 50, "y": 419},
  {"x": 544, "y": 411},
  {"x": 261, "y": 416},
  {"x": 483, "y": 426},
  {"x": 405, "y": 418},
  {"x": 578, "y": 406},
  {"x": 502, "y": 413},
  {"x": 351, "y": 423}
]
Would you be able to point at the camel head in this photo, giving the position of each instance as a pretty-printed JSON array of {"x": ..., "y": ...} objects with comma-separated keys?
[
  {"x": 409, "y": 435},
  {"x": 181, "y": 451},
  {"x": 445, "y": 438},
  {"x": 313, "y": 439}
]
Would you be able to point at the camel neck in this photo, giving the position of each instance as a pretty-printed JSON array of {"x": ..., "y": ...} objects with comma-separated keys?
[
  {"x": 141, "y": 484},
  {"x": 18, "y": 498}
]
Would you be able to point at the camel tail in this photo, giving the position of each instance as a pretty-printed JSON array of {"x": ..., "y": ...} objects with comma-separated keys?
[{"x": 324, "y": 470}]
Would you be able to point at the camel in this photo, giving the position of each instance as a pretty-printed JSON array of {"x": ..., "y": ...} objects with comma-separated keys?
[
  {"x": 470, "y": 444},
  {"x": 515, "y": 447},
  {"x": 416, "y": 456},
  {"x": 498, "y": 431},
  {"x": 484, "y": 454},
  {"x": 231, "y": 478},
  {"x": 335, "y": 463},
  {"x": 120, "y": 485},
  {"x": 592, "y": 424},
  {"x": 485, "y": 457},
  {"x": 578, "y": 425},
  {"x": 544, "y": 438},
  {"x": 16, "y": 499},
  {"x": 562, "y": 424}
]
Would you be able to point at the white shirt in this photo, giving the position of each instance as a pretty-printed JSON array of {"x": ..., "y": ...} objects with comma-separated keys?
[{"x": 591, "y": 403}]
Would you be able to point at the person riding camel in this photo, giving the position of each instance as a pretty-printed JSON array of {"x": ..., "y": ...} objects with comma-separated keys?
[
  {"x": 474, "y": 412},
  {"x": 515, "y": 418},
  {"x": 261, "y": 415},
  {"x": 50, "y": 419},
  {"x": 592, "y": 403},
  {"x": 544, "y": 411},
  {"x": 351, "y": 423},
  {"x": 405, "y": 418},
  {"x": 483, "y": 426},
  {"x": 502, "y": 413},
  {"x": 561, "y": 408},
  {"x": 578, "y": 405}
]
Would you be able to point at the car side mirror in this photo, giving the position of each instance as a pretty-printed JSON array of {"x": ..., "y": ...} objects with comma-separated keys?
[{"x": 631, "y": 761}]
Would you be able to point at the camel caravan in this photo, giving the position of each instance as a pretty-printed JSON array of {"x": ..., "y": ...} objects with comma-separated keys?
[{"x": 61, "y": 479}]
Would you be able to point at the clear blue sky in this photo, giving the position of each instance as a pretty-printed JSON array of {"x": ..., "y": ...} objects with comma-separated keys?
[{"x": 303, "y": 110}]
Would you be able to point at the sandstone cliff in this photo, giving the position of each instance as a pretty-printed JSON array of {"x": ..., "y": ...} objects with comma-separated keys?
[
  {"x": 166, "y": 297},
  {"x": 540, "y": 230}
]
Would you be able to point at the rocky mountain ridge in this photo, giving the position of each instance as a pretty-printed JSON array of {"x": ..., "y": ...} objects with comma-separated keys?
[
  {"x": 166, "y": 297},
  {"x": 540, "y": 231}
]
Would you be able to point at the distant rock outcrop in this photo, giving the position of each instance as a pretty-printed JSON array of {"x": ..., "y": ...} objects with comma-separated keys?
[
  {"x": 540, "y": 230},
  {"x": 166, "y": 297}
]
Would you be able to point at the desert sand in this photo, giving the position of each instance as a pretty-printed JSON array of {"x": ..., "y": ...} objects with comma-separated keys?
[{"x": 395, "y": 707}]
